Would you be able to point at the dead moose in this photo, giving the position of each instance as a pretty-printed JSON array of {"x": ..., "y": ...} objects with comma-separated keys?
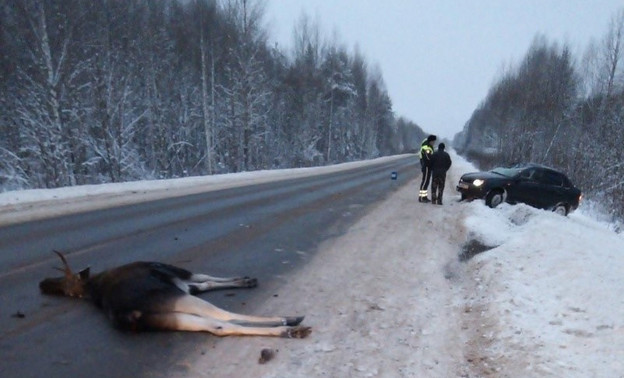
[{"x": 148, "y": 296}]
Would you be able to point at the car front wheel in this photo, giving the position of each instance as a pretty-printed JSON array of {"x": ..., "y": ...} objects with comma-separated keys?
[
  {"x": 560, "y": 209},
  {"x": 494, "y": 198}
]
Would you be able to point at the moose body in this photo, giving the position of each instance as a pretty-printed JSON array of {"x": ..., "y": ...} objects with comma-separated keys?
[{"x": 145, "y": 296}]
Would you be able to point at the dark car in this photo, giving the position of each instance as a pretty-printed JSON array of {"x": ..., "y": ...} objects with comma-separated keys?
[{"x": 532, "y": 184}]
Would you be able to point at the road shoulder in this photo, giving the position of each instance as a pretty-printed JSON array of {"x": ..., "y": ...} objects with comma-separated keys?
[{"x": 386, "y": 298}]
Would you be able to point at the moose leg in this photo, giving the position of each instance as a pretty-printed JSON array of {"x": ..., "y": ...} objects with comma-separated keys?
[
  {"x": 194, "y": 323},
  {"x": 203, "y": 282},
  {"x": 189, "y": 304},
  {"x": 205, "y": 277}
]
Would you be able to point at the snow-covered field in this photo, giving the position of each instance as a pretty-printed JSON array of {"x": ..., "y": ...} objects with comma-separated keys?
[{"x": 392, "y": 298}]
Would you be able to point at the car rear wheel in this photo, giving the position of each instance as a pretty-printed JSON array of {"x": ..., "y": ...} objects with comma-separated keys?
[
  {"x": 494, "y": 198},
  {"x": 561, "y": 209}
]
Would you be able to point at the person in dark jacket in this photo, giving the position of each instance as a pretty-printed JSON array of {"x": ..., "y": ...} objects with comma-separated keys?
[
  {"x": 440, "y": 164},
  {"x": 425, "y": 153}
]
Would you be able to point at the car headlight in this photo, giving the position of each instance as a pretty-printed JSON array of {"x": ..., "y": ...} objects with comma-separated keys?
[{"x": 478, "y": 182}]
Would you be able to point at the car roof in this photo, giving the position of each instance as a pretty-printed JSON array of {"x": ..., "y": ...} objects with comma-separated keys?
[{"x": 535, "y": 165}]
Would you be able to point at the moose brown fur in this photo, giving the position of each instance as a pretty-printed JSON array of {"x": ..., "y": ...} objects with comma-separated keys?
[{"x": 144, "y": 296}]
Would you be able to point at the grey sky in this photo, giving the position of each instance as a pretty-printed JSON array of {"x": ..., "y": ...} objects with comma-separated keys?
[{"x": 439, "y": 57}]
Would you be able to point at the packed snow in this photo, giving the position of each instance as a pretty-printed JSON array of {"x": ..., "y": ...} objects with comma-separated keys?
[{"x": 420, "y": 290}]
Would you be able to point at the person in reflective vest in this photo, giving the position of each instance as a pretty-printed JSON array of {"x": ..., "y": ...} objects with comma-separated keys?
[{"x": 426, "y": 150}]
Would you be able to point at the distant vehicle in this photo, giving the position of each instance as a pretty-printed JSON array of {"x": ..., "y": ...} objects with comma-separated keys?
[{"x": 535, "y": 185}]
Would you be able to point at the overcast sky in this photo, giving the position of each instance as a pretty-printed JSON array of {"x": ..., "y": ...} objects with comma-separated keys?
[{"x": 439, "y": 57}]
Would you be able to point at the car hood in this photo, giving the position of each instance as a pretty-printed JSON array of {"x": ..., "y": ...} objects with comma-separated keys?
[{"x": 470, "y": 177}]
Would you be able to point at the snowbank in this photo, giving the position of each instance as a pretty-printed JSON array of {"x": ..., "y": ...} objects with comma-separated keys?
[{"x": 553, "y": 285}]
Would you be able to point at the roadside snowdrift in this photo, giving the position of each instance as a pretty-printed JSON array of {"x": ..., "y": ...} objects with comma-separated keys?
[{"x": 553, "y": 288}]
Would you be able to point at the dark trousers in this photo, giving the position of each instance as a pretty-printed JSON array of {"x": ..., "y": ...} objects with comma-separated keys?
[
  {"x": 424, "y": 184},
  {"x": 437, "y": 187}
]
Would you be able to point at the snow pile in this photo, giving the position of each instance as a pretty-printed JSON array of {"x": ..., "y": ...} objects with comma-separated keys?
[{"x": 552, "y": 286}]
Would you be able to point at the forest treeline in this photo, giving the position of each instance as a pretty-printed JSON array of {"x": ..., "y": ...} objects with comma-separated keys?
[
  {"x": 120, "y": 90},
  {"x": 562, "y": 111}
]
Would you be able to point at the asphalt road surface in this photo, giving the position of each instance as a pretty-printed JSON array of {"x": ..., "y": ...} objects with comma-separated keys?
[{"x": 266, "y": 231}]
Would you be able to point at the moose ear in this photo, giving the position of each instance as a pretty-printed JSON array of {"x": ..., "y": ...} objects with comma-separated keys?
[{"x": 85, "y": 273}]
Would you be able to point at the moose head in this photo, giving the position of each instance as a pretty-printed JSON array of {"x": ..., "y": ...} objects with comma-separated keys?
[{"x": 70, "y": 285}]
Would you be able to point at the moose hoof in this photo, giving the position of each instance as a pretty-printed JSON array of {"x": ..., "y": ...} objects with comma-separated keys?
[
  {"x": 250, "y": 282},
  {"x": 293, "y": 320},
  {"x": 298, "y": 332}
]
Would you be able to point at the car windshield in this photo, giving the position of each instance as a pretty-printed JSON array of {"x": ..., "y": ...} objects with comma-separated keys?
[{"x": 509, "y": 172}]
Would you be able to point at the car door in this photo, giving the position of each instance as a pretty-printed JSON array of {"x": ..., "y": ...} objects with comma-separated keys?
[
  {"x": 526, "y": 187},
  {"x": 553, "y": 189}
]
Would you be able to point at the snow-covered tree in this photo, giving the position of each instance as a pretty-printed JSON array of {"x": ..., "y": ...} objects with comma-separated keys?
[{"x": 100, "y": 91}]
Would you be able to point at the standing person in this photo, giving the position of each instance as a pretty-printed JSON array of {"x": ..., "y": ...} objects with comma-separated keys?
[
  {"x": 426, "y": 150},
  {"x": 440, "y": 163}
]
